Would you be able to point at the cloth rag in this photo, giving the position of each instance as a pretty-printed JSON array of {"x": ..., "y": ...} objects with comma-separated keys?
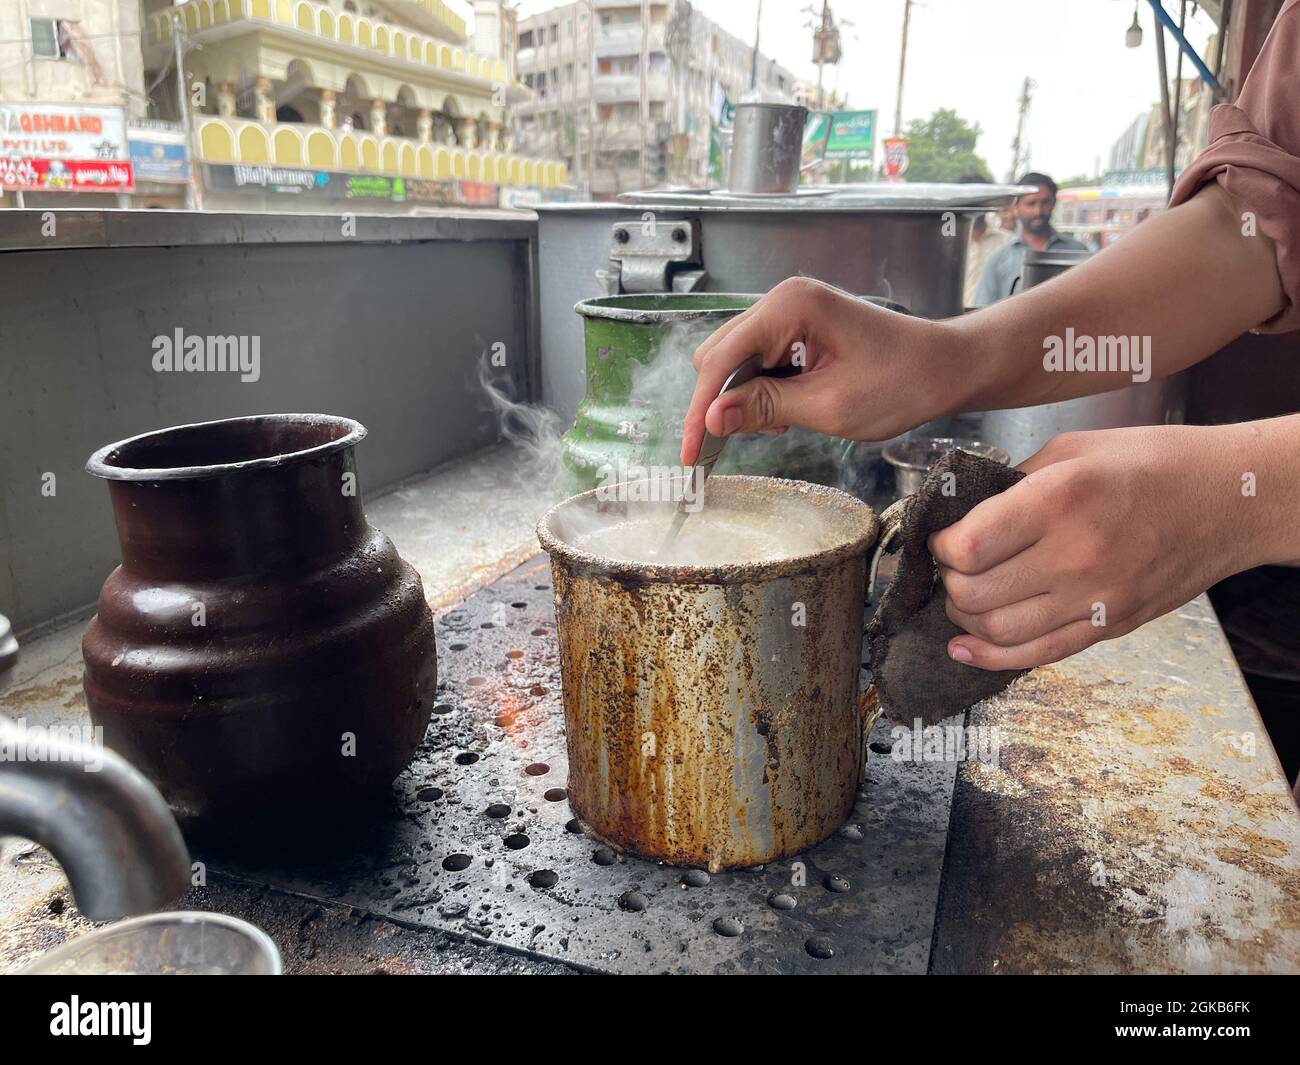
[{"x": 909, "y": 633}]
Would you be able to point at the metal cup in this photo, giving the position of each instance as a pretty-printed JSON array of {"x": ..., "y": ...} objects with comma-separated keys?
[
  {"x": 767, "y": 148},
  {"x": 913, "y": 456}
]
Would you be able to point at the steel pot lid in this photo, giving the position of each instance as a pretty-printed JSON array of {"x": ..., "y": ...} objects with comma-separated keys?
[
  {"x": 663, "y": 308},
  {"x": 881, "y": 196}
]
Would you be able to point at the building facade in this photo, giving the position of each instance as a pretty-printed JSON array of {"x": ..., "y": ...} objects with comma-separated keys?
[
  {"x": 298, "y": 102},
  {"x": 583, "y": 63},
  {"x": 1143, "y": 145},
  {"x": 71, "y": 82}
]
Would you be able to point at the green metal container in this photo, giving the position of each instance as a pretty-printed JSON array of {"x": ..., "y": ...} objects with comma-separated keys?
[{"x": 639, "y": 384}]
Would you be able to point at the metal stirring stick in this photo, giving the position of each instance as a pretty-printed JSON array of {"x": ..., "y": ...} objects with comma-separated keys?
[{"x": 711, "y": 447}]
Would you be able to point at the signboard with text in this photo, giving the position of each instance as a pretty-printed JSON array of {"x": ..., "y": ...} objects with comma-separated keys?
[
  {"x": 333, "y": 185},
  {"x": 895, "y": 158},
  {"x": 72, "y": 175},
  {"x": 853, "y": 135},
  {"x": 61, "y": 131},
  {"x": 64, "y": 148},
  {"x": 158, "y": 151},
  {"x": 1152, "y": 177}
]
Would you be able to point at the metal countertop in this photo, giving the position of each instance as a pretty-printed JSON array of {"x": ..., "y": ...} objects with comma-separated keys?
[
  {"x": 1136, "y": 819},
  {"x": 41, "y": 229}
]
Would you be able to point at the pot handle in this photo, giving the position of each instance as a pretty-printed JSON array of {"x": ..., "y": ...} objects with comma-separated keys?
[
  {"x": 890, "y": 522},
  {"x": 868, "y": 702},
  {"x": 869, "y": 714}
]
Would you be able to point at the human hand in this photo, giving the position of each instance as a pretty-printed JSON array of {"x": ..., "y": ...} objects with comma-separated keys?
[
  {"x": 866, "y": 373},
  {"x": 1109, "y": 530}
]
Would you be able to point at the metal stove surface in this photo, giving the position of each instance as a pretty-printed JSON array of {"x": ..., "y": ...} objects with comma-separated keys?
[{"x": 481, "y": 841}]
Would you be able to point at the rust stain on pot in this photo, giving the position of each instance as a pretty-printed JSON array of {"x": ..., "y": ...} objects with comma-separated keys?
[
  {"x": 704, "y": 728},
  {"x": 1136, "y": 837}
]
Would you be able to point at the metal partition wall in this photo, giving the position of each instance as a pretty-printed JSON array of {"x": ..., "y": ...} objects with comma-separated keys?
[{"x": 386, "y": 320}]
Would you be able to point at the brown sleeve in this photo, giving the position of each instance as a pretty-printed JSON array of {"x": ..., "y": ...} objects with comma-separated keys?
[{"x": 1254, "y": 153}]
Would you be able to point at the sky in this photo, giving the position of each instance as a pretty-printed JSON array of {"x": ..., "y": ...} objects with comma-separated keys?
[{"x": 972, "y": 56}]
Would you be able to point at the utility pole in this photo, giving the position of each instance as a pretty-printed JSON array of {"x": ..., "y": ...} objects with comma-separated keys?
[
  {"x": 826, "y": 44},
  {"x": 902, "y": 66},
  {"x": 1176, "y": 114},
  {"x": 680, "y": 49},
  {"x": 642, "y": 64},
  {"x": 591, "y": 100},
  {"x": 753, "y": 63},
  {"x": 1020, "y": 152},
  {"x": 1165, "y": 113},
  {"x": 821, "y": 61},
  {"x": 182, "y": 101}
]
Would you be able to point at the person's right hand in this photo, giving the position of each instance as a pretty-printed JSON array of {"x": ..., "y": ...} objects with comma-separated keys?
[{"x": 866, "y": 373}]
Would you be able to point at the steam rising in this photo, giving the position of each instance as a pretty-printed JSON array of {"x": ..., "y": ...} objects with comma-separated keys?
[
  {"x": 649, "y": 448},
  {"x": 660, "y": 393},
  {"x": 664, "y": 388},
  {"x": 531, "y": 429}
]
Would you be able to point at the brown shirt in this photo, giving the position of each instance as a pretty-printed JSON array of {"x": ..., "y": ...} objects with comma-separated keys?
[{"x": 1254, "y": 153}]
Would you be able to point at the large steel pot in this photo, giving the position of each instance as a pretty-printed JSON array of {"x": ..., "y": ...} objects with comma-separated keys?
[
  {"x": 1023, "y": 431},
  {"x": 712, "y": 714},
  {"x": 905, "y": 242}
]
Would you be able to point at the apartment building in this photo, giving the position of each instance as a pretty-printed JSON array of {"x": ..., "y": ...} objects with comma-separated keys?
[
  {"x": 297, "y": 103},
  {"x": 71, "y": 82},
  {"x": 583, "y": 62},
  {"x": 1144, "y": 144}
]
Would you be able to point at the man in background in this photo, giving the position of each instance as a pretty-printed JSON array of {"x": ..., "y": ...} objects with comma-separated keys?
[
  {"x": 984, "y": 241},
  {"x": 1034, "y": 214}
]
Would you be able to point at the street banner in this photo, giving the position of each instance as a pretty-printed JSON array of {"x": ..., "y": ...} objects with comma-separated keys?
[
  {"x": 70, "y": 175},
  {"x": 895, "y": 158}
]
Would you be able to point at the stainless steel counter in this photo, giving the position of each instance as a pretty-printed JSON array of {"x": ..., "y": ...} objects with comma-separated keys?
[
  {"x": 43, "y": 230},
  {"x": 388, "y": 320},
  {"x": 1135, "y": 818}
]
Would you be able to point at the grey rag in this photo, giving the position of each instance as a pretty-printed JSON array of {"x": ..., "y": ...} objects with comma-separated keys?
[{"x": 909, "y": 633}]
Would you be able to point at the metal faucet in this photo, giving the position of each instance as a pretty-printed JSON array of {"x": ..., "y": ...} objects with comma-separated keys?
[
  {"x": 109, "y": 828},
  {"x": 8, "y": 645}
]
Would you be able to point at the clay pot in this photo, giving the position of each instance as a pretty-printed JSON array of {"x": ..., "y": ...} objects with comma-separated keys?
[{"x": 262, "y": 654}]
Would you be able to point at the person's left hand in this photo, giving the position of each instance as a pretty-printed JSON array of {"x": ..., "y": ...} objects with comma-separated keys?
[{"x": 1109, "y": 530}]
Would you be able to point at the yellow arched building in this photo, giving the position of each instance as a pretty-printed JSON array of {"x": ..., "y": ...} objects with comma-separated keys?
[{"x": 338, "y": 91}]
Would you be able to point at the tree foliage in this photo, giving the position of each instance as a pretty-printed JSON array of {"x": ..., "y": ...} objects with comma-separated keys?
[{"x": 942, "y": 148}]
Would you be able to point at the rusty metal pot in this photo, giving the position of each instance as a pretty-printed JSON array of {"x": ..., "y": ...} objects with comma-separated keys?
[
  {"x": 712, "y": 713},
  {"x": 262, "y": 654}
]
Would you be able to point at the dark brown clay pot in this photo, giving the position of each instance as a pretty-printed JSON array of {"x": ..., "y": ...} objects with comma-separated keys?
[{"x": 262, "y": 654}]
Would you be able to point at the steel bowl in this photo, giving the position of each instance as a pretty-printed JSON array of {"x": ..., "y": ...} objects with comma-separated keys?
[{"x": 913, "y": 457}]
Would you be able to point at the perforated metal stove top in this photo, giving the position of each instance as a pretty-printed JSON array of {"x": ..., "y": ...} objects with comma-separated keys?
[{"x": 480, "y": 841}]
